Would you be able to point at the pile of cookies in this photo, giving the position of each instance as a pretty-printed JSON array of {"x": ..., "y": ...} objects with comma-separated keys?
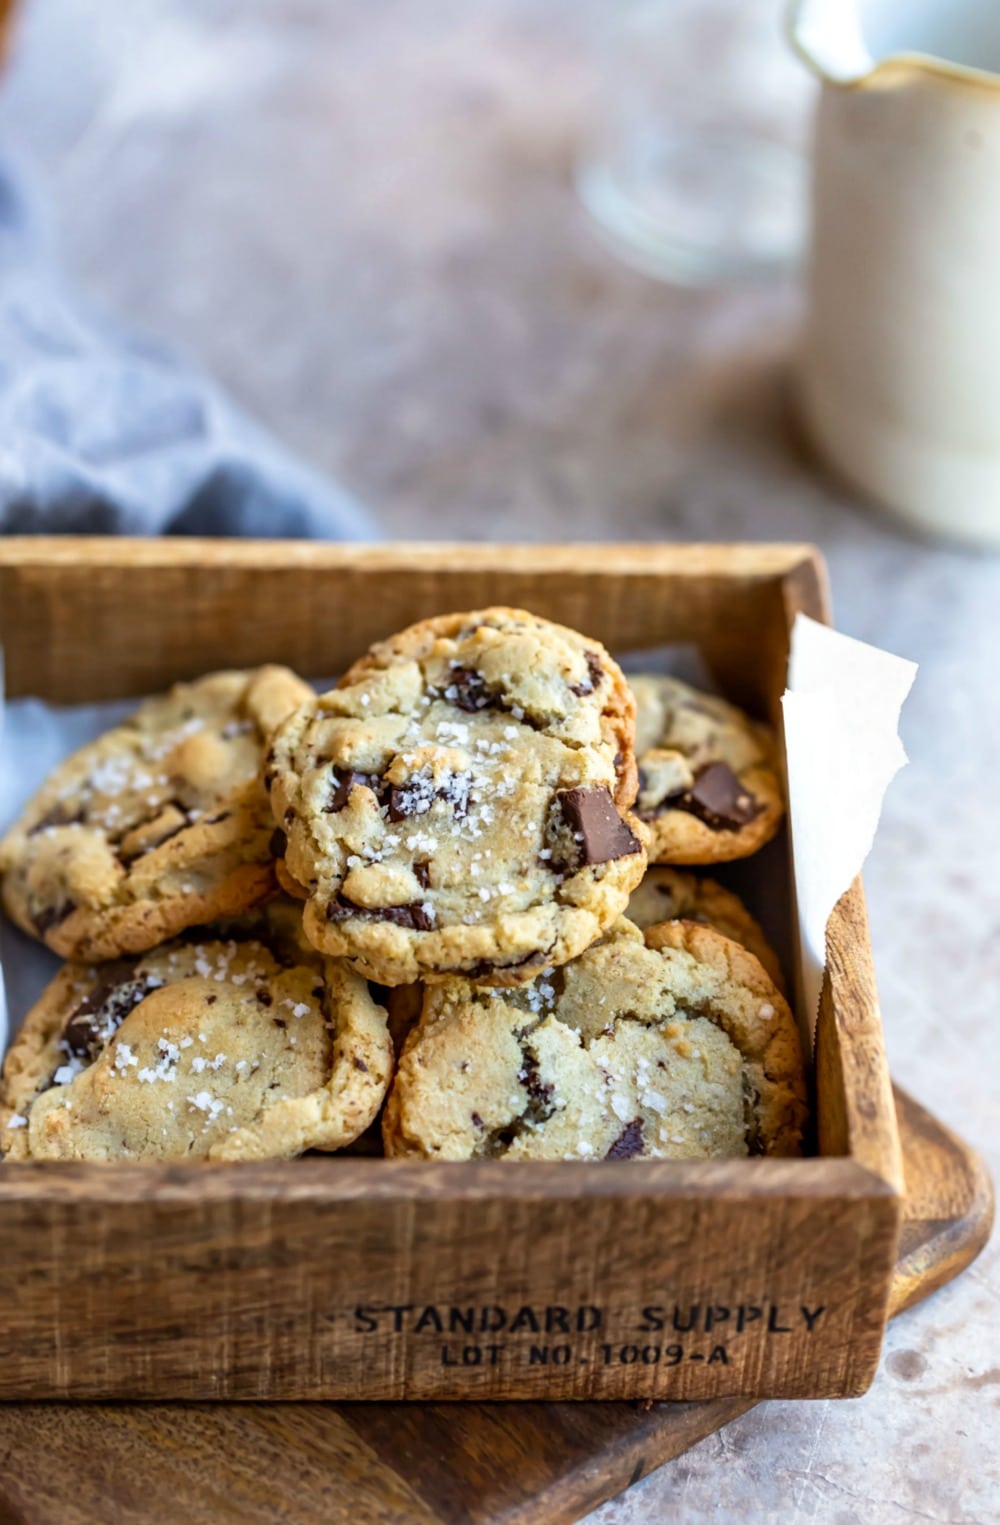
[{"x": 419, "y": 904}]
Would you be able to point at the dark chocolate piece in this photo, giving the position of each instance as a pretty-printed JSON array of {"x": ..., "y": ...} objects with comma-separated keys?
[
  {"x": 595, "y": 676},
  {"x": 628, "y": 1144},
  {"x": 540, "y": 1092},
  {"x": 102, "y": 1012},
  {"x": 167, "y": 831},
  {"x": 412, "y": 916},
  {"x": 467, "y": 690},
  {"x": 343, "y": 783},
  {"x": 751, "y": 1117},
  {"x": 418, "y": 794},
  {"x": 51, "y": 916},
  {"x": 719, "y": 799},
  {"x": 488, "y": 966},
  {"x": 598, "y": 834},
  {"x": 58, "y": 816}
]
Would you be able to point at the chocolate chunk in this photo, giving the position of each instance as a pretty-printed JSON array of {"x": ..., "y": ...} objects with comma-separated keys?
[
  {"x": 628, "y": 1144},
  {"x": 341, "y": 785},
  {"x": 751, "y": 1117},
  {"x": 467, "y": 690},
  {"x": 412, "y": 916},
  {"x": 595, "y": 831},
  {"x": 422, "y": 874},
  {"x": 477, "y": 1122},
  {"x": 265, "y": 997},
  {"x": 409, "y": 799},
  {"x": 488, "y": 966},
  {"x": 718, "y": 798},
  {"x": 167, "y": 822},
  {"x": 51, "y": 916},
  {"x": 540, "y": 1092},
  {"x": 359, "y": 1064},
  {"x": 418, "y": 794},
  {"x": 57, "y": 816},
  {"x": 340, "y": 909},
  {"x": 379, "y": 993},
  {"x": 278, "y": 843},
  {"x": 595, "y": 676},
  {"x": 102, "y": 1012}
]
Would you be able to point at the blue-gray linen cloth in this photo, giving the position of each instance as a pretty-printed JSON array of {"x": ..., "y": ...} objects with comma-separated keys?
[{"x": 104, "y": 433}]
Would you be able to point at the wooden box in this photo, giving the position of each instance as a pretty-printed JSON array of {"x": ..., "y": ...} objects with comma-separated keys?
[{"x": 349, "y": 1277}]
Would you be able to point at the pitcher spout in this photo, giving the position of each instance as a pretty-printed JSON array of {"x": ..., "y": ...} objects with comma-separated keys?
[
  {"x": 829, "y": 38},
  {"x": 856, "y": 43}
]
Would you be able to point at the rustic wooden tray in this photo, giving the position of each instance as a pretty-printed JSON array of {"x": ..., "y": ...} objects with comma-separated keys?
[
  {"x": 421, "y": 1464},
  {"x": 312, "y": 1279}
]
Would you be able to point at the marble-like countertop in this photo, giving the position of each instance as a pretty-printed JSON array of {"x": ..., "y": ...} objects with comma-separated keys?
[{"x": 360, "y": 219}]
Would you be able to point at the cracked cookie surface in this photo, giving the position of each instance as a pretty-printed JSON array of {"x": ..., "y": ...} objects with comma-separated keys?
[
  {"x": 670, "y": 894},
  {"x": 459, "y": 803},
  {"x": 672, "y": 1045},
  {"x": 709, "y": 789},
  {"x": 236, "y": 1042},
  {"x": 160, "y": 824}
]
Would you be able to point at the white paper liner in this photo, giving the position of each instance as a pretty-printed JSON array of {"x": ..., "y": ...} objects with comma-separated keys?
[{"x": 841, "y": 717}]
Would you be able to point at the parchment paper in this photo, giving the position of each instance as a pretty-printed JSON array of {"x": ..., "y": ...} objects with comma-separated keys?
[{"x": 841, "y": 717}]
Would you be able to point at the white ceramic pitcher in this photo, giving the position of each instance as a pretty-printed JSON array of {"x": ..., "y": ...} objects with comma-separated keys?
[{"x": 899, "y": 373}]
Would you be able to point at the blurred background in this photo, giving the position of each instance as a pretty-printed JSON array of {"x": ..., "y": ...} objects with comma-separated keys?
[
  {"x": 365, "y": 222},
  {"x": 362, "y": 220}
]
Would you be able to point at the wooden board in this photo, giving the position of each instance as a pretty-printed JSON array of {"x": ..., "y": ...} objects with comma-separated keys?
[{"x": 423, "y": 1464}]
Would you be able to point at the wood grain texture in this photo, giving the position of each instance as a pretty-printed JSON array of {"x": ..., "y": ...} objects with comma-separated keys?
[
  {"x": 485, "y": 1464},
  {"x": 274, "y": 1281},
  {"x": 156, "y": 611},
  {"x": 312, "y": 1281}
]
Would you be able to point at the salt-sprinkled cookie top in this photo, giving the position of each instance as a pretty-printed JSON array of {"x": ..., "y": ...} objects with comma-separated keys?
[
  {"x": 708, "y": 785},
  {"x": 673, "y": 1047},
  {"x": 237, "y": 1042},
  {"x": 459, "y": 802},
  {"x": 157, "y": 825}
]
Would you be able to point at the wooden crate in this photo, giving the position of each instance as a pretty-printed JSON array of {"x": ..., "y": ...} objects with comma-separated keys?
[{"x": 371, "y": 1279}]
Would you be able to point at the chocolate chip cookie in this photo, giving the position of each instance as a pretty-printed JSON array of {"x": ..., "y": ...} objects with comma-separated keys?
[
  {"x": 672, "y": 1046},
  {"x": 709, "y": 788},
  {"x": 160, "y": 824},
  {"x": 669, "y": 894},
  {"x": 233, "y": 1043},
  {"x": 459, "y": 803}
]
